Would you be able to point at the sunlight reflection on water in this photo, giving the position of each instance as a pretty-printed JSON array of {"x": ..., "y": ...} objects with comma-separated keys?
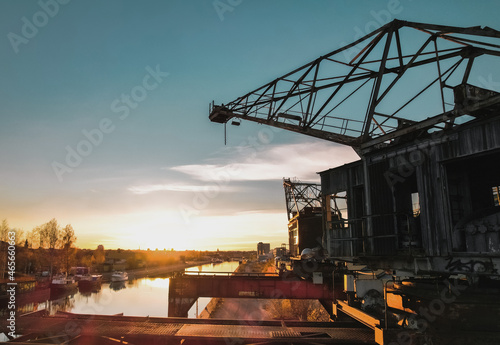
[{"x": 139, "y": 297}]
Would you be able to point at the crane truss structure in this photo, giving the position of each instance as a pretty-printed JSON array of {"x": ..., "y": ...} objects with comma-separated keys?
[
  {"x": 381, "y": 87},
  {"x": 301, "y": 197}
]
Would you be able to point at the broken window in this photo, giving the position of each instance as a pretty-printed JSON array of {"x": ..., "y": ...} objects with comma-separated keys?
[
  {"x": 415, "y": 202},
  {"x": 338, "y": 207},
  {"x": 496, "y": 195}
]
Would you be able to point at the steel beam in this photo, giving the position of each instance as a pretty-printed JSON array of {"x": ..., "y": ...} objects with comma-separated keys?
[
  {"x": 315, "y": 99},
  {"x": 185, "y": 289}
]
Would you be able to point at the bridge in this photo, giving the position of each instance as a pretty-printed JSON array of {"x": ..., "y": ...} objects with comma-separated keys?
[{"x": 185, "y": 289}]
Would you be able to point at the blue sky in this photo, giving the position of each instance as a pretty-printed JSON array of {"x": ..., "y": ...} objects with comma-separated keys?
[{"x": 158, "y": 174}]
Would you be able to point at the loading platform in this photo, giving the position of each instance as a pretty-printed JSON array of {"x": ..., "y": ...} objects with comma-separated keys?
[{"x": 71, "y": 329}]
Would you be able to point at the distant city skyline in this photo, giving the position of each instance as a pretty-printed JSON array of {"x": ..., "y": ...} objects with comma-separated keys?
[{"x": 104, "y": 113}]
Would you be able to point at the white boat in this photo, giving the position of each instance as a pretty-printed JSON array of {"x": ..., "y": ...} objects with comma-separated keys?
[
  {"x": 62, "y": 284},
  {"x": 119, "y": 276}
]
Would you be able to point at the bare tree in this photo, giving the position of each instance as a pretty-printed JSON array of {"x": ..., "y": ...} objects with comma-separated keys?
[
  {"x": 67, "y": 239},
  {"x": 19, "y": 236},
  {"x": 99, "y": 256},
  {"x": 49, "y": 238},
  {"x": 33, "y": 237},
  {"x": 4, "y": 229},
  {"x": 49, "y": 234}
]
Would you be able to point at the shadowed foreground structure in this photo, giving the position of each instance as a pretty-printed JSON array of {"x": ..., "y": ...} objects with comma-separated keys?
[
  {"x": 74, "y": 329},
  {"x": 411, "y": 231}
]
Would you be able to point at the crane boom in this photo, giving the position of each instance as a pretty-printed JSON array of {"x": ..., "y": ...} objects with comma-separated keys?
[{"x": 377, "y": 90}]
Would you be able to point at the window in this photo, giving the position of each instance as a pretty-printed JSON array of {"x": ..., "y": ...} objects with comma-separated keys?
[
  {"x": 496, "y": 195},
  {"x": 415, "y": 202},
  {"x": 338, "y": 207}
]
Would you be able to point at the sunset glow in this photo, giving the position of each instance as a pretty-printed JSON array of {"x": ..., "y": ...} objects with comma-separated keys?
[{"x": 105, "y": 115}]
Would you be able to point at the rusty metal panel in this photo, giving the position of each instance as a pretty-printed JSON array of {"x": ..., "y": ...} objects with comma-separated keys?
[
  {"x": 248, "y": 287},
  {"x": 382, "y": 205},
  {"x": 342, "y": 178},
  {"x": 472, "y": 139}
]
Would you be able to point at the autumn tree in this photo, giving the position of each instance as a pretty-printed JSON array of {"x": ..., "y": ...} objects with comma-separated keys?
[
  {"x": 67, "y": 239},
  {"x": 12, "y": 236},
  {"x": 49, "y": 238},
  {"x": 99, "y": 256},
  {"x": 49, "y": 234},
  {"x": 18, "y": 235},
  {"x": 4, "y": 229},
  {"x": 33, "y": 237}
]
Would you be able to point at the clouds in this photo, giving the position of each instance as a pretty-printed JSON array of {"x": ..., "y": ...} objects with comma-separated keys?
[
  {"x": 235, "y": 196},
  {"x": 302, "y": 160},
  {"x": 151, "y": 188},
  {"x": 230, "y": 170}
]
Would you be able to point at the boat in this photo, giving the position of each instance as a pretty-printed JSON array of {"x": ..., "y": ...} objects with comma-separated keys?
[
  {"x": 27, "y": 290},
  {"x": 63, "y": 284},
  {"x": 89, "y": 281},
  {"x": 119, "y": 276},
  {"x": 79, "y": 272}
]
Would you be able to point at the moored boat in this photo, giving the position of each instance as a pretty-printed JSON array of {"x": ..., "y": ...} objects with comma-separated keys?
[
  {"x": 88, "y": 281},
  {"x": 79, "y": 272},
  {"x": 62, "y": 284},
  {"x": 27, "y": 291},
  {"x": 119, "y": 276}
]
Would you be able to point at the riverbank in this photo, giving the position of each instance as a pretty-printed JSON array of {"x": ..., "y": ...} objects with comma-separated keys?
[{"x": 155, "y": 271}]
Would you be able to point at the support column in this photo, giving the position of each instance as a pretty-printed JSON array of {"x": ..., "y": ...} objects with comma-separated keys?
[{"x": 179, "y": 306}]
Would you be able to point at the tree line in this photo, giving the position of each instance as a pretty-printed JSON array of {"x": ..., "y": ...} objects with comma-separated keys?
[{"x": 48, "y": 246}]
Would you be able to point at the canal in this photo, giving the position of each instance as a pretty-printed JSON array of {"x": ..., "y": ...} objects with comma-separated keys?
[{"x": 137, "y": 297}]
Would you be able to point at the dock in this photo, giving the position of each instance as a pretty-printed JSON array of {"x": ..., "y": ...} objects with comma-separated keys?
[{"x": 71, "y": 329}]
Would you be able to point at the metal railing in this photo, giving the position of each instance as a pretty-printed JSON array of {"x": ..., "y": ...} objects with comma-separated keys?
[{"x": 383, "y": 234}]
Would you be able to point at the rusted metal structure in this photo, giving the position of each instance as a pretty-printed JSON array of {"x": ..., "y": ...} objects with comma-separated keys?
[
  {"x": 438, "y": 215},
  {"x": 377, "y": 91},
  {"x": 420, "y": 214},
  {"x": 304, "y": 211},
  {"x": 185, "y": 289}
]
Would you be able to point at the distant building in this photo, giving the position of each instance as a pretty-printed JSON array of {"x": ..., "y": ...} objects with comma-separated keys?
[
  {"x": 116, "y": 261},
  {"x": 279, "y": 252},
  {"x": 263, "y": 248}
]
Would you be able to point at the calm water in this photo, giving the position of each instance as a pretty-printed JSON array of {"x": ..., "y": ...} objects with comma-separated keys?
[{"x": 139, "y": 297}]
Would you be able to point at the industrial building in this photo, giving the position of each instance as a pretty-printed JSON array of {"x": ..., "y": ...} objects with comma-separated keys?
[
  {"x": 263, "y": 248},
  {"x": 408, "y": 235}
]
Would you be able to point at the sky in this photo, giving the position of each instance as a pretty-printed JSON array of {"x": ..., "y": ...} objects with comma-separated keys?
[{"x": 104, "y": 113}]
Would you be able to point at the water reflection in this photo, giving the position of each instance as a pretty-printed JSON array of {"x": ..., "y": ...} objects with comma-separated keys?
[
  {"x": 117, "y": 286},
  {"x": 202, "y": 302},
  {"x": 87, "y": 291},
  {"x": 229, "y": 266},
  {"x": 139, "y": 297},
  {"x": 61, "y": 304}
]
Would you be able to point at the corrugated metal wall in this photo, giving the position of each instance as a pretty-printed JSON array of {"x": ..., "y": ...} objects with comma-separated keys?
[{"x": 426, "y": 163}]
